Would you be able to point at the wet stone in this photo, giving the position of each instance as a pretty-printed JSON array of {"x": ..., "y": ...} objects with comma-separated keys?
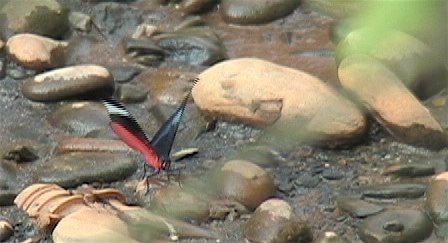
[
  {"x": 246, "y": 182},
  {"x": 332, "y": 174},
  {"x": 196, "y": 6},
  {"x": 6, "y": 230},
  {"x": 331, "y": 237},
  {"x": 256, "y": 12},
  {"x": 36, "y": 52},
  {"x": 436, "y": 198},
  {"x": 399, "y": 190},
  {"x": 307, "y": 180},
  {"x": 123, "y": 73},
  {"x": 72, "y": 169},
  {"x": 401, "y": 225},
  {"x": 358, "y": 208},
  {"x": 80, "y": 117},
  {"x": 46, "y": 17},
  {"x": 82, "y": 81},
  {"x": 409, "y": 170},
  {"x": 129, "y": 93},
  {"x": 21, "y": 153},
  {"x": 274, "y": 221}
]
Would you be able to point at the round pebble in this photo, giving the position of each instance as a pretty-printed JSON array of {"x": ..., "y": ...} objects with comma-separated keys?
[
  {"x": 246, "y": 182},
  {"x": 82, "y": 81},
  {"x": 402, "y": 225},
  {"x": 275, "y": 221},
  {"x": 36, "y": 52}
]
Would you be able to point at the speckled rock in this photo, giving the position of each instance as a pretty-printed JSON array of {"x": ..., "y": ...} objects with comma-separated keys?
[
  {"x": 274, "y": 222},
  {"x": 74, "y": 169},
  {"x": 246, "y": 182},
  {"x": 80, "y": 117},
  {"x": 402, "y": 225},
  {"x": 262, "y": 93},
  {"x": 45, "y": 17},
  {"x": 378, "y": 89},
  {"x": 82, "y": 81},
  {"x": 436, "y": 195},
  {"x": 36, "y": 52},
  {"x": 256, "y": 12}
]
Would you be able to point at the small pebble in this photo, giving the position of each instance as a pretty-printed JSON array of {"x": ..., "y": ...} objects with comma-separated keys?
[
  {"x": 6, "y": 230},
  {"x": 80, "y": 21}
]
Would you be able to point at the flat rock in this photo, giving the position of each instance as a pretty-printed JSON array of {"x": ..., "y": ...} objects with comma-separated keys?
[
  {"x": 81, "y": 81},
  {"x": 395, "y": 190},
  {"x": 357, "y": 207},
  {"x": 45, "y": 17},
  {"x": 262, "y": 93},
  {"x": 256, "y": 12},
  {"x": 73, "y": 169},
  {"x": 390, "y": 102},
  {"x": 36, "y": 52}
]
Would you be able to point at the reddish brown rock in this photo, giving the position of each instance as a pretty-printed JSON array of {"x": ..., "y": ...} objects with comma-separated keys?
[
  {"x": 390, "y": 102},
  {"x": 36, "y": 52},
  {"x": 262, "y": 93}
]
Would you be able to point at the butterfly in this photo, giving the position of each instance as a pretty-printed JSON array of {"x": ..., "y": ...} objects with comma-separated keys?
[{"x": 157, "y": 150}]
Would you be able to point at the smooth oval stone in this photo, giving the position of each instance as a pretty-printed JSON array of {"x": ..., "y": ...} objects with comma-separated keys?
[
  {"x": 409, "y": 169},
  {"x": 436, "y": 198},
  {"x": 129, "y": 93},
  {"x": 191, "y": 49},
  {"x": 36, "y": 52},
  {"x": 378, "y": 89},
  {"x": 275, "y": 221},
  {"x": 399, "y": 190},
  {"x": 246, "y": 182},
  {"x": 44, "y": 17},
  {"x": 80, "y": 117},
  {"x": 256, "y": 12},
  {"x": 410, "y": 226},
  {"x": 73, "y": 169},
  {"x": 262, "y": 93},
  {"x": 358, "y": 208},
  {"x": 83, "y": 81},
  {"x": 196, "y": 6},
  {"x": 412, "y": 61}
]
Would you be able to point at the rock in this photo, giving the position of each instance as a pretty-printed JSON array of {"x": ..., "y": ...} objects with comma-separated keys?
[
  {"x": 80, "y": 117},
  {"x": 191, "y": 47},
  {"x": 401, "y": 225},
  {"x": 412, "y": 61},
  {"x": 80, "y": 21},
  {"x": 181, "y": 203},
  {"x": 409, "y": 169},
  {"x": 7, "y": 197},
  {"x": 128, "y": 93},
  {"x": 442, "y": 231},
  {"x": 227, "y": 210},
  {"x": 256, "y": 12},
  {"x": 93, "y": 225},
  {"x": 46, "y": 17},
  {"x": 6, "y": 230},
  {"x": 77, "y": 144},
  {"x": 436, "y": 195},
  {"x": 331, "y": 237},
  {"x": 124, "y": 73},
  {"x": 332, "y": 174},
  {"x": 399, "y": 190},
  {"x": 72, "y": 169},
  {"x": 245, "y": 182},
  {"x": 308, "y": 180},
  {"x": 261, "y": 93},
  {"x": 36, "y": 52},
  {"x": 21, "y": 153},
  {"x": 8, "y": 184},
  {"x": 196, "y": 6},
  {"x": 358, "y": 208},
  {"x": 379, "y": 89},
  {"x": 274, "y": 221},
  {"x": 82, "y": 81}
]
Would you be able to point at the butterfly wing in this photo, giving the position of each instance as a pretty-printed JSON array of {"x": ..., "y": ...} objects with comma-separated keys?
[{"x": 125, "y": 125}]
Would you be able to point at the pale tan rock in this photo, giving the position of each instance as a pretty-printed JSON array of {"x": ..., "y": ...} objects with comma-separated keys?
[
  {"x": 36, "y": 52},
  {"x": 262, "y": 93},
  {"x": 390, "y": 102}
]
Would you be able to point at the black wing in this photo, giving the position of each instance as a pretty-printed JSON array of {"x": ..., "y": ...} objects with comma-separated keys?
[
  {"x": 163, "y": 140},
  {"x": 119, "y": 114}
]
